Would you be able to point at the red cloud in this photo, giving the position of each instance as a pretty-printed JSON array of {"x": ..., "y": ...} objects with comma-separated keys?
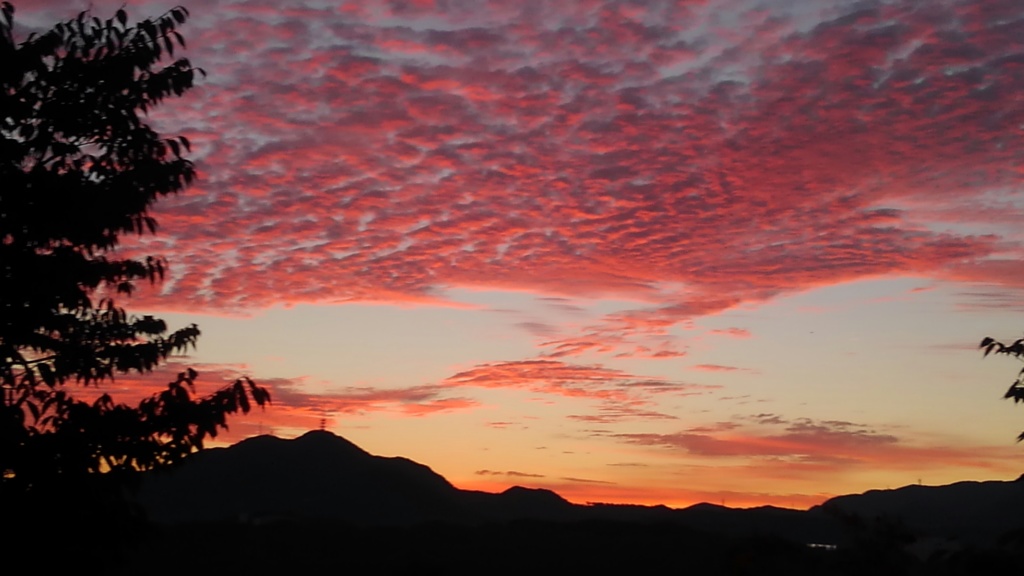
[
  {"x": 294, "y": 405},
  {"x": 382, "y": 163},
  {"x": 588, "y": 150}
]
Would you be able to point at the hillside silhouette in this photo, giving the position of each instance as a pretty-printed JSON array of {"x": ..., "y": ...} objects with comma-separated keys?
[
  {"x": 321, "y": 504},
  {"x": 323, "y": 477}
]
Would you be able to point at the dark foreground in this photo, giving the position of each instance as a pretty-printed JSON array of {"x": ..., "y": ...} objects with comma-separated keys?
[
  {"x": 319, "y": 504},
  {"x": 526, "y": 547}
]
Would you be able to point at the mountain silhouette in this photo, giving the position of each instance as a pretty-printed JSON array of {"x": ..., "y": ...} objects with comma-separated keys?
[
  {"x": 976, "y": 512},
  {"x": 318, "y": 475},
  {"x": 321, "y": 476}
]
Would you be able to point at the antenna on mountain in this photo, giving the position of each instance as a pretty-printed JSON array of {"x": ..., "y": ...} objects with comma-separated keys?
[{"x": 323, "y": 424}]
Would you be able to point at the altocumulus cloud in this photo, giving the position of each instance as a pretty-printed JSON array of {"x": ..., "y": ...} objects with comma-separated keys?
[{"x": 390, "y": 151}]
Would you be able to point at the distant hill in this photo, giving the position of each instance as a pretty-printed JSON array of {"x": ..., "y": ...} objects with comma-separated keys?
[
  {"x": 971, "y": 511},
  {"x": 321, "y": 476}
]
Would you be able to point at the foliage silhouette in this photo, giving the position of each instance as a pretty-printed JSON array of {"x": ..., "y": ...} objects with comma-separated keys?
[
  {"x": 1016, "y": 349},
  {"x": 80, "y": 170}
]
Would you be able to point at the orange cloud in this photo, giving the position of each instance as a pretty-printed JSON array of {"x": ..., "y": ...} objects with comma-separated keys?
[{"x": 509, "y": 473}]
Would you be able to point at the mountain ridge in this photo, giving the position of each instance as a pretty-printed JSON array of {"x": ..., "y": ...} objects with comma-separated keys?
[{"x": 323, "y": 476}]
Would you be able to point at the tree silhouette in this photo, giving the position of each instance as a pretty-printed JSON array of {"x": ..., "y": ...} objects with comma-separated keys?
[
  {"x": 79, "y": 170},
  {"x": 1016, "y": 349}
]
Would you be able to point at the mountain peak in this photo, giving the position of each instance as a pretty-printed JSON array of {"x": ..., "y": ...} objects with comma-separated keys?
[
  {"x": 314, "y": 443},
  {"x": 328, "y": 440},
  {"x": 314, "y": 434},
  {"x": 540, "y": 495}
]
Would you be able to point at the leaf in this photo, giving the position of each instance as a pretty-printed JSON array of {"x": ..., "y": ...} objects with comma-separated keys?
[
  {"x": 95, "y": 77},
  {"x": 34, "y": 409},
  {"x": 243, "y": 400},
  {"x": 47, "y": 375}
]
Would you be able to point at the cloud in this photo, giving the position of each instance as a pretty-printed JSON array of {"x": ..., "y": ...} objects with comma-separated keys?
[
  {"x": 732, "y": 332},
  {"x": 509, "y": 473},
  {"x": 609, "y": 414},
  {"x": 815, "y": 445},
  {"x": 295, "y": 405},
  {"x": 538, "y": 328},
  {"x": 716, "y": 368},
  {"x": 679, "y": 159},
  {"x": 130, "y": 388},
  {"x": 555, "y": 377},
  {"x": 804, "y": 439},
  {"x": 991, "y": 297},
  {"x": 619, "y": 394},
  {"x": 393, "y": 150},
  {"x": 644, "y": 352},
  {"x": 411, "y": 401},
  {"x": 584, "y": 480}
]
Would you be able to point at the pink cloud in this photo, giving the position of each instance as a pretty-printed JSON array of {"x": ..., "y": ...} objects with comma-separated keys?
[
  {"x": 619, "y": 394},
  {"x": 732, "y": 332},
  {"x": 716, "y": 368},
  {"x": 372, "y": 101},
  {"x": 411, "y": 401},
  {"x": 553, "y": 377},
  {"x": 294, "y": 404},
  {"x": 587, "y": 149}
]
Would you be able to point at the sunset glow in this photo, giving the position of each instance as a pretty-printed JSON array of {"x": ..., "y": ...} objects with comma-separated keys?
[{"x": 655, "y": 252}]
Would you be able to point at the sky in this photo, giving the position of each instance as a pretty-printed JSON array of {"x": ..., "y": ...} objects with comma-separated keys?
[{"x": 660, "y": 251}]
